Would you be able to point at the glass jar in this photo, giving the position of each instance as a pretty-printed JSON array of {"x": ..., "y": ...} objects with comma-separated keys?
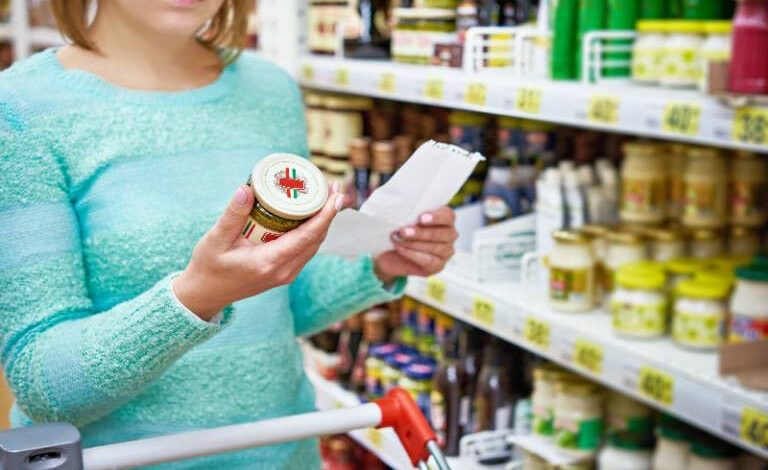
[
  {"x": 639, "y": 304},
  {"x": 647, "y": 52},
  {"x": 626, "y": 414},
  {"x": 344, "y": 117},
  {"x": 417, "y": 30},
  {"x": 571, "y": 273},
  {"x": 743, "y": 242},
  {"x": 643, "y": 184},
  {"x": 699, "y": 314},
  {"x": 672, "y": 448},
  {"x": 578, "y": 417},
  {"x": 748, "y": 189},
  {"x": 706, "y": 188},
  {"x": 666, "y": 244},
  {"x": 749, "y": 317},
  {"x": 623, "y": 248},
  {"x": 543, "y": 399},
  {"x": 676, "y": 163},
  {"x": 681, "y": 54},
  {"x": 716, "y": 48},
  {"x": 626, "y": 451},
  {"x": 706, "y": 244},
  {"x": 288, "y": 190},
  {"x": 707, "y": 454},
  {"x": 749, "y": 71}
]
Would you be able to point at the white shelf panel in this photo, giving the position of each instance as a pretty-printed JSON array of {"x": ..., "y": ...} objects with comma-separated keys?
[
  {"x": 5, "y": 32},
  {"x": 638, "y": 110},
  {"x": 45, "y": 37},
  {"x": 688, "y": 383}
]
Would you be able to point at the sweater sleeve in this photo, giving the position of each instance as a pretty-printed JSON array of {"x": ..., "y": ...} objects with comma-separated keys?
[
  {"x": 331, "y": 288},
  {"x": 64, "y": 360}
]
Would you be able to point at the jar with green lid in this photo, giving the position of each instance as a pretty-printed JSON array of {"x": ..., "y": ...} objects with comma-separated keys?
[
  {"x": 711, "y": 454},
  {"x": 578, "y": 417},
  {"x": 571, "y": 272},
  {"x": 623, "y": 248},
  {"x": 672, "y": 445},
  {"x": 639, "y": 304},
  {"x": 627, "y": 451},
  {"x": 417, "y": 30},
  {"x": 647, "y": 52},
  {"x": 681, "y": 54},
  {"x": 699, "y": 313},
  {"x": 545, "y": 378},
  {"x": 626, "y": 414},
  {"x": 288, "y": 190},
  {"x": 643, "y": 184}
]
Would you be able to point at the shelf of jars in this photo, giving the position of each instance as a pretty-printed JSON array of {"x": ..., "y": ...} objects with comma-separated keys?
[
  {"x": 682, "y": 382},
  {"x": 682, "y": 115}
]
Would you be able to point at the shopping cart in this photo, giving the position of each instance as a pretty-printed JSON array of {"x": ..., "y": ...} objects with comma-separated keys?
[{"x": 56, "y": 446}]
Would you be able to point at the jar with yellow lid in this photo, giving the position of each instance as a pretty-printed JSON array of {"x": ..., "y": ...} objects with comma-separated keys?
[
  {"x": 743, "y": 242},
  {"x": 680, "y": 269},
  {"x": 699, "y": 313},
  {"x": 647, "y": 52},
  {"x": 706, "y": 244},
  {"x": 666, "y": 244},
  {"x": 706, "y": 188},
  {"x": 623, "y": 248},
  {"x": 344, "y": 118},
  {"x": 748, "y": 189},
  {"x": 578, "y": 417},
  {"x": 639, "y": 304},
  {"x": 681, "y": 54},
  {"x": 288, "y": 190},
  {"x": 643, "y": 184},
  {"x": 571, "y": 272}
]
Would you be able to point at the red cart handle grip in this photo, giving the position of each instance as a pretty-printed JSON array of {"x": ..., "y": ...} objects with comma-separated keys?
[{"x": 399, "y": 411}]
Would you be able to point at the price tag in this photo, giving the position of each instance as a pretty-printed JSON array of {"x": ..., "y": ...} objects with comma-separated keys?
[
  {"x": 387, "y": 82},
  {"x": 308, "y": 72},
  {"x": 342, "y": 77},
  {"x": 528, "y": 100},
  {"x": 603, "y": 109},
  {"x": 436, "y": 290},
  {"x": 588, "y": 355},
  {"x": 681, "y": 118},
  {"x": 656, "y": 385},
  {"x": 476, "y": 94},
  {"x": 434, "y": 89},
  {"x": 537, "y": 332},
  {"x": 483, "y": 311},
  {"x": 754, "y": 427},
  {"x": 375, "y": 438},
  {"x": 750, "y": 126}
]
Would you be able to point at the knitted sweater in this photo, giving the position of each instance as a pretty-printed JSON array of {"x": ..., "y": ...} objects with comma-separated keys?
[{"x": 104, "y": 192}]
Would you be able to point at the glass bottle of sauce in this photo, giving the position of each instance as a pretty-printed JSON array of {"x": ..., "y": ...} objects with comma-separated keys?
[
  {"x": 374, "y": 332},
  {"x": 446, "y": 398},
  {"x": 491, "y": 407},
  {"x": 470, "y": 348}
]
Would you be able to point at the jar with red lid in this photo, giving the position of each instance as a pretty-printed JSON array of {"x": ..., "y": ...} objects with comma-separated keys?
[{"x": 749, "y": 68}]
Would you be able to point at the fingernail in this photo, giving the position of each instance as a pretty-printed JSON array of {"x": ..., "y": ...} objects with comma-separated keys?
[
  {"x": 427, "y": 219},
  {"x": 409, "y": 232},
  {"x": 339, "y": 202},
  {"x": 335, "y": 188},
  {"x": 395, "y": 237},
  {"x": 241, "y": 197}
]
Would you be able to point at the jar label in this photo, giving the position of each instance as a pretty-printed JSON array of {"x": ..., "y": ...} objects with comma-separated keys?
[
  {"x": 681, "y": 64},
  {"x": 257, "y": 234},
  {"x": 543, "y": 422},
  {"x": 698, "y": 330},
  {"x": 701, "y": 200},
  {"x": 571, "y": 285},
  {"x": 583, "y": 435},
  {"x": 746, "y": 329},
  {"x": 417, "y": 47},
  {"x": 748, "y": 200},
  {"x": 646, "y": 64},
  {"x": 643, "y": 196},
  {"x": 639, "y": 319}
]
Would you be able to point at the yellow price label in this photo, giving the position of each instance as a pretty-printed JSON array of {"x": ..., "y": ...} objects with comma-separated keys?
[
  {"x": 603, "y": 109},
  {"x": 375, "y": 438},
  {"x": 308, "y": 72},
  {"x": 656, "y": 385},
  {"x": 483, "y": 311},
  {"x": 387, "y": 82},
  {"x": 681, "y": 118},
  {"x": 528, "y": 100},
  {"x": 476, "y": 94},
  {"x": 750, "y": 126},
  {"x": 434, "y": 89},
  {"x": 588, "y": 355},
  {"x": 537, "y": 332},
  {"x": 436, "y": 290},
  {"x": 342, "y": 77},
  {"x": 754, "y": 427}
]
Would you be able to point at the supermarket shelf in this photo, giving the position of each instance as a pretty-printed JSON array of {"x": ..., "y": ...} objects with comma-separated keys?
[
  {"x": 681, "y": 115},
  {"x": 45, "y": 37},
  {"x": 5, "y": 32},
  {"x": 682, "y": 382}
]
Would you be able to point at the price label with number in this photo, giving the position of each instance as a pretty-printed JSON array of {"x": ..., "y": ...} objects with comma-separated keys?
[
  {"x": 308, "y": 72},
  {"x": 537, "y": 332},
  {"x": 750, "y": 126},
  {"x": 603, "y": 109},
  {"x": 656, "y": 385},
  {"x": 754, "y": 427},
  {"x": 375, "y": 438},
  {"x": 434, "y": 89},
  {"x": 528, "y": 100},
  {"x": 476, "y": 94},
  {"x": 588, "y": 355},
  {"x": 681, "y": 118},
  {"x": 483, "y": 311},
  {"x": 387, "y": 82},
  {"x": 436, "y": 290},
  {"x": 342, "y": 77}
]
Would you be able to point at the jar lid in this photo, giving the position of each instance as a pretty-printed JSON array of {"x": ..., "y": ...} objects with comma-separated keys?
[
  {"x": 673, "y": 432},
  {"x": 647, "y": 275},
  {"x": 709, "y": 448},
  {"x": 625, "y": 238},
  {"x": 683, "y": 265},
  {"x": 650, "y": 26},
  {"x": 289, "y": 186},
  {"x": 629, "y": 440},
  {"x": 571, "y": 237},
  {"x": 348, "y": 103},
  {"x": 685, "y": 27},
  {"x": 717, "y": 274},
  {"x": 718, "y": 27},
  {"x": 420, "y": 370},
  {"x": 424, "y": 13},
  {"x": 594, "y": 230},
  {"x": 753, "y": 272},
  {"x": 640, "y": 147},
  {"x": 702, "y": 289},
  {"x": 664, "y": 234}
]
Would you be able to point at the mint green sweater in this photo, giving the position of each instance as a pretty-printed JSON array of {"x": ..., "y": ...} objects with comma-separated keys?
[{"x": 104, "y": 192}]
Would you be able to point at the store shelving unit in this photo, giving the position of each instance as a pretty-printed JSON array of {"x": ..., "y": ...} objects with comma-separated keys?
[
  {"x": 682, "y": 115},
  {"x": 682, "y": 382},
  {"x": 23, "y": 37}
]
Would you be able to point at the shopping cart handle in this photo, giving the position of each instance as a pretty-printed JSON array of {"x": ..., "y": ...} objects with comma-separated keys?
[
  {"x": 400, "y": 412},
  {"x": 52, "y": 446}
]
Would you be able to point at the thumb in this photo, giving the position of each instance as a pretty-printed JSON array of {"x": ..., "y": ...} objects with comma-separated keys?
[{"x": 233, "y": 219}]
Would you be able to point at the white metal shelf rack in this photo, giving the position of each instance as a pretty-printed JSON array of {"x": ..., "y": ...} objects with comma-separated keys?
[{"x": 24, "y": 38}]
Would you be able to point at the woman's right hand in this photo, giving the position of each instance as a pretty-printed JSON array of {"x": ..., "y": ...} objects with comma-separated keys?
[{"x": 225, "y": 267}]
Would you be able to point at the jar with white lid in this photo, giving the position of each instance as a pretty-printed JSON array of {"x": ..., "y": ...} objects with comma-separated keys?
[
  {"x": 743, "y": 242},
  {"x": 716, "y": 48},
  {"x": 343, "y": 122},
  {"x": 643, "y": 184},
  {"x": 666, "y": 244},
  {"x": 638, "y": 306},
  {"x": 571, "y": 272},
  {"x": 681, "y": 54},
  {"x": 705, "y": 244},
  {"x": 708, "y": 454},
  {"x": 578, "y": 417},
  {"x": 748, "y": 189},
  {"x": 288, "y": 190},
  {"x": 706, "y": 188},
  {"x": 623, "y": 248},
  {"x": 647, "y": 52},
  {"x": 698, "y": 320},
  {"x": 749, "y": 315},
  {"x": 672, "y": 447},
  {"x": 626, "y": 451},
  {"x": 545, "y": 379},
  {"x": 626, "y": 414},
  {"x": 676, "y": 163}
]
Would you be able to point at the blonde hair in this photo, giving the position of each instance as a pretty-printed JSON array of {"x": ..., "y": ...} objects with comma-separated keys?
[{"x": 225, "y": 33}]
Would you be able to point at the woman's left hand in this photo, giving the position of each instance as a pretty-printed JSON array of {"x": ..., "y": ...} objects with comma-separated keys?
[{"x": 420, "y": 250}]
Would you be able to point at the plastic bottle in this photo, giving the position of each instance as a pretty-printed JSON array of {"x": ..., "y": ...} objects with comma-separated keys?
[
  {"x": 622, "y": 15},
  {"x": 564, "y": 40},
  {"x": 749, "y": 70},
  {"x": 592, "y": 16}
]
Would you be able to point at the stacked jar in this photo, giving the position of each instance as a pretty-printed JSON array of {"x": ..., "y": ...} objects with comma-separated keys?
[
  {"x": 639, "y": 304},
  {"x": 578, "y": 417},
  {"x": 572, "y": 269}
]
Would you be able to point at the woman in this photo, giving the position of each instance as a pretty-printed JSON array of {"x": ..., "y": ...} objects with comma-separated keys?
[{"x": 117, "y": 154}]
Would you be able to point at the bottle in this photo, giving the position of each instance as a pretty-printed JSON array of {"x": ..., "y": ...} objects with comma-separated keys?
[
  {"x": 489, "y": 13},
  {"x": 470, "y": 345},
  {"x": 491, "y": 408},
  {"x": 749, "y": 71},
  {"x": 592, "y": 16},
  {"x": 467, "y": 16},
  {"x": 367, "y": 34},
  {"x": 374, "y": 333},
  {"x": 499, "y": 197},
  {"x": 448, "y": 384},
  {"x": 622, "y": 15},
  {"x": 384, "y": 161},
  {"x": 564, "y": 40},
  {"x": 360, "y": 158},
  {"x": 349, "y": 343}
]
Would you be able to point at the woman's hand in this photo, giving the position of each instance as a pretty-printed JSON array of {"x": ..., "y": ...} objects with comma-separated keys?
[
  {"x": 420, "y": 250},
  {"x": 225, "y": 267}
]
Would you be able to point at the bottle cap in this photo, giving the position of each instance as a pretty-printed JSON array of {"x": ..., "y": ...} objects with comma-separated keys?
[
  {"x": 702, "y": 289},
  {"x": 645, "y": 275},
  {"x": 289, "y": 186}
]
